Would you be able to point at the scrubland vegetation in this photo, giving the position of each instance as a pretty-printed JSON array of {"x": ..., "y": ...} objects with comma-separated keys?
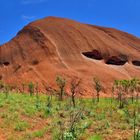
[{"x": 57, "y": 116}]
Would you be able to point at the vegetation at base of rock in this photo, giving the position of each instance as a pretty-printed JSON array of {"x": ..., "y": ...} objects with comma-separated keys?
[{"x": 35, "y": 115}]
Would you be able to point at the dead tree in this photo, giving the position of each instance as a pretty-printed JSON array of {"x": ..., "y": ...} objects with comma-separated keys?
[{"x": 74, "y": 89}]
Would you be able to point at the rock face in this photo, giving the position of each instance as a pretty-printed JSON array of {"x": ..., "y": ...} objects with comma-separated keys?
[{"x": 56, "y": 46}]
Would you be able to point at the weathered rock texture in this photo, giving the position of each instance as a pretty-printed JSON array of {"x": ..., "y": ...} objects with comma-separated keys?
[{"x": 56, "y": 46}]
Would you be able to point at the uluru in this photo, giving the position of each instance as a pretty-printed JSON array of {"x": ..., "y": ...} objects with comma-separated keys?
[{"x": 58, "y": 46}]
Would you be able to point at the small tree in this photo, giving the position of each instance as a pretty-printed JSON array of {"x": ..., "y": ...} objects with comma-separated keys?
[
  {"x": 37, "y": 96},
  {"x": 125, "y": 84},
  {"x": 23, "y": 87},
  {"x": 98, "y": 87},
  {"x": 61, "y": 82},
  {"x": 36, "y": 89},
  {"x": 74, "y": 87},
  {"x": 119, "y": 91},
  {"x": 6, "y": 90},
  {"x": 137, "y": 90},
  {"x": 112, "y": 91},
  {"x": 31, "y": 87},
  {"x": 122, "y": 88},
  {"x": 133, "y": 87},
  {"x": 1, "y": 86}
]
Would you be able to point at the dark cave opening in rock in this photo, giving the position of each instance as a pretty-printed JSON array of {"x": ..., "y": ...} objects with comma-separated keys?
[
  {"x": 95, "y": 54},
  {"x": 114, "y": 60},
  {"x": 6, "y": 63},
  {"x": 136, "y": 63},
  {"x": 35, "y": 62}
]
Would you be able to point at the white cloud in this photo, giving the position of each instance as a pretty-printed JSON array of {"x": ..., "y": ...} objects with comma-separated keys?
[
  {"x": 27, "y": 18},
  {"x": 26, "y": 2}
]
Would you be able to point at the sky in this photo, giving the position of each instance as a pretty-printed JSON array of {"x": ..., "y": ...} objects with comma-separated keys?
[{"x": 121, "y": 14}]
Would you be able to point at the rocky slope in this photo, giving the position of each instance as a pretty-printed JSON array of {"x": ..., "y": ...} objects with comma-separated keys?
[{"x": 57, "y": 46}]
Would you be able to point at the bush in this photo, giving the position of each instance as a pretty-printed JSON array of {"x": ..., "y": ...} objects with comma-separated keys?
[{"x": 21, "y": 126}]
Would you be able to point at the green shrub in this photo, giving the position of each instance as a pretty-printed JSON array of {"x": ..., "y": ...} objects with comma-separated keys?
[
  {"x": 95, "y": 137},
  {"x": 21, "y": 126},
  {"x": 31, "y": 87},
  {"x": 39, "y": 133}
]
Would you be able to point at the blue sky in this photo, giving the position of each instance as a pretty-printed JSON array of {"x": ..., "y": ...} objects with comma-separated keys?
[{"x": 120, "y": 14}]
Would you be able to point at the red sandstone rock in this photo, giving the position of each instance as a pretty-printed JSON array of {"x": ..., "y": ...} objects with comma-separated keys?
[{"x": 52, "y": 46}]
